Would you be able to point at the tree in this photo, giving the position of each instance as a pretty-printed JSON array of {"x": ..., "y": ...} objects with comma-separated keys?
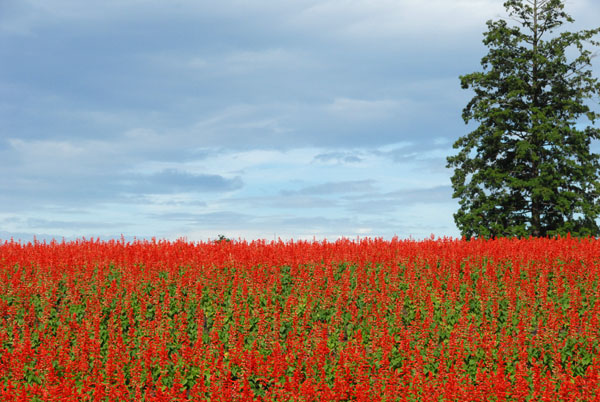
[{"x": 527, "y": 168}]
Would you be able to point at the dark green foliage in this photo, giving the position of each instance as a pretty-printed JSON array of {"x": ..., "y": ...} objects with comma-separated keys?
[
  {"x": 221, "y": 238},
  {"x": 527, "y": 168}
]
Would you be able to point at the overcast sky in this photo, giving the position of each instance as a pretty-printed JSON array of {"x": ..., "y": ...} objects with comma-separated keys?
[{"x": 251, "y": 119}]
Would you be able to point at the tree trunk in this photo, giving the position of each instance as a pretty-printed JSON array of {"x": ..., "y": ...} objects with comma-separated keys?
[
  {"x": 536, "y": 204},
  {"x": 536, "y": 218}
]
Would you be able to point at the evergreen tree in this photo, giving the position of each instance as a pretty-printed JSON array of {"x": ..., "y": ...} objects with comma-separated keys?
[{"x": 527, "y": 168}]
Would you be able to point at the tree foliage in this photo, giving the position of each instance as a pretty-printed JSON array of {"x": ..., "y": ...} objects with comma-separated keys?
[{"x": 527, "y": 169}]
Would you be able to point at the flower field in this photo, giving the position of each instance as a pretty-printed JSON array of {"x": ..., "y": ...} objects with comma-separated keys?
[{"x": 363, "y": 320}]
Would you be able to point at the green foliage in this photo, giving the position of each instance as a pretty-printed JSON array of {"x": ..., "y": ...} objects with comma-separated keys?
[
  {"x": 527, "y": 168},
  {"x": 221, "y": 238}
]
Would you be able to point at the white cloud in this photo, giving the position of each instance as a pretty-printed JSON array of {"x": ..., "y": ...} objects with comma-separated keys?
[
  {"x": 437, "y": 20},
  {"x": 52, "y": 157},
  {"x": 351, "y": 19},
  {"x": 335, "y": 115},
  {"x": 284, "y": 193},
  {"x": 360, "y": 19}
]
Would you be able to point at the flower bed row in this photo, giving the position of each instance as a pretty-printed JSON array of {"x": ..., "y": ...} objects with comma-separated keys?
[{"x": 363, "y": 320}]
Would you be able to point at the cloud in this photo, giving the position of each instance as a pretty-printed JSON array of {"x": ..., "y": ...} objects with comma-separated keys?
[
  {"x": 217, "y": 77},
  {"x": 20, "y": 193},
  {"x": 360, "y": 109},
  {"x": 244, "y": 126},
  {"x": 221, "y": 219},
  {"x": 232, "y": 63},
  {"x": 69, "y": 173},
  {"x": 391, "y": 202},
  {"x": 285, "y": 201},
  {"x": 339, "y": 157},
  {"x": 300, "y": 202},
  {"x": 286, "y": 226},
  {"x": 77, "y": 184},
  {"x": 384, "y": 19},
  {"x": 242, "y": 62},
  {"x": 359, "y": 186},
  {"x": 49, "y": 224},
  {"x": 101, "y": 156},
  {"x": 424, "y": 195},
  {"x": 304, "y": 117},
  {"x": 345, "y": 16},
  {"x": 430, "y": 155},
  {"x": 174, "y": 181}
]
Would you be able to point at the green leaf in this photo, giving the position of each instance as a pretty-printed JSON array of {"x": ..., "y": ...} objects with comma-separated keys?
[{"x": 527, "y": 168}]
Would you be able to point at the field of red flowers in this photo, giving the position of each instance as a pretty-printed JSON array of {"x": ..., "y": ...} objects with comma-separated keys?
[{"x": 363, "y": 320}]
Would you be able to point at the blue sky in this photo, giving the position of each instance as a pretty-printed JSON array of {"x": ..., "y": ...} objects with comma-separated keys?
[{"x": 252, "y": 119}]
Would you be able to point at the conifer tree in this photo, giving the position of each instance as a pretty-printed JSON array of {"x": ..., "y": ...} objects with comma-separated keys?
[{"x": 527, "y": 168}]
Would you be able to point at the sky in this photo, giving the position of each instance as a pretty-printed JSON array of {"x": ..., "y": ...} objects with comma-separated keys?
[{"x": 259, "y": 119}]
